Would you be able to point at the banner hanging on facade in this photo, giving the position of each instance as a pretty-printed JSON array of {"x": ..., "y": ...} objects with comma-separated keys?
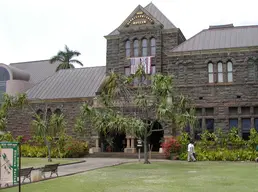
[
  {"x": 9, "y": 163},
  {"x": 145, "y": 62}
]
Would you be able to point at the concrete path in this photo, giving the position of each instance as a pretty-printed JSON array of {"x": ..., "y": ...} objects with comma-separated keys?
[{"x": 90, "y": 164}]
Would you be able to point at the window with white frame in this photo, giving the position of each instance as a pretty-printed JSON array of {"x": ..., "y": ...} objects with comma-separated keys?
[
  {"x": 220, "y": 72},
  {"x": 211, "y": 73},
  {"x": 230, "y": 71}
]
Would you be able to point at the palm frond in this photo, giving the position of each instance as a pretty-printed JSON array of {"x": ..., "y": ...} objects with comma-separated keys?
[{"x": 76, "y": 61}]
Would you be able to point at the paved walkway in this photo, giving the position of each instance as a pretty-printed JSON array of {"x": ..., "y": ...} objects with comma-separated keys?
[{"x": 90, "y": 164}]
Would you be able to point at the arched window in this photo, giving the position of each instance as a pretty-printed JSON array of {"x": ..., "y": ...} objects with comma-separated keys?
[
  {"x": 127, "y": 48},
  {"x": 4, "y": 74},
  {"x": 220, "y": 72},
  {"x": 211, "y": 73},
  {"x": 252, "y": 70},
  {"x": 57, "y": 112},
  {"x": 144, "y": 47},
  {"x": 136, "y": 48},
  {"x": 230, "y": 71},
  {"x": 40, "y": 113},
  {"x": 153, "y": 46}
]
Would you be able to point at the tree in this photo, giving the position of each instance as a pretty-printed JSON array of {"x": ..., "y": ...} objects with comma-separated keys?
[
  {"x": 66, "y": 59},
  {"x": 48, "y": 126},
  {"x": 158, "y": 101}
]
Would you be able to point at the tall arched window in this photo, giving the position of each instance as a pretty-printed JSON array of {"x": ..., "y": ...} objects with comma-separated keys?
[
  {"x": 153, "y": 46},
  {"x": 144, "y": 47},
  {"x": 211, "y": 73},
  {"x": 127, "y": 48},
  {"x": 252, "y": 70},
  {"x": 220, "y": 72},
  {"x": 136, "y": 48},
  {"x": 230, "y": 71}
]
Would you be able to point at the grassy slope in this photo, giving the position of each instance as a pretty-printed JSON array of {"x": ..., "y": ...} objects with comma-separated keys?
[{"x": 162, "y": 177}]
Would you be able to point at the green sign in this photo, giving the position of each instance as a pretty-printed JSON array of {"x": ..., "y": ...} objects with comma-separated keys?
[{"x": 9, "y": 163}]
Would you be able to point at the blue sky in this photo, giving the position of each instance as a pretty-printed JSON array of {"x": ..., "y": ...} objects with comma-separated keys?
[{"x": 35, "y": 30}]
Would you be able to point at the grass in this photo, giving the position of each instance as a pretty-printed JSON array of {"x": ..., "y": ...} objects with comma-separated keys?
[
  {"x": 160, "y": 176},
  {"x": 39, "y": 162}
]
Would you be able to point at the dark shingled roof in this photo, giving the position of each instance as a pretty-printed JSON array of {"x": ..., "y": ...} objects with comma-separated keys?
[
  {"x": 221, "y": 37},
  {"x": 69, "y": 83},
  {"x": 38, "y": 70},
  {"x": 155, "y": 13}
]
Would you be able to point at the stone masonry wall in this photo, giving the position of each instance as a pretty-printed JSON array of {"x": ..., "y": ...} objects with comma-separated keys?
[
  {"x": 191, "y": 78},
  {"x": 19, "y": 120}
]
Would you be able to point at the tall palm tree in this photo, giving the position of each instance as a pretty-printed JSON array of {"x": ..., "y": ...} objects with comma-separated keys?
[{"x": 66, "y": 59}]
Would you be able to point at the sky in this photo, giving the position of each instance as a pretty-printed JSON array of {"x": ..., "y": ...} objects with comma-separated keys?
[{"x": 36, "y": 30}]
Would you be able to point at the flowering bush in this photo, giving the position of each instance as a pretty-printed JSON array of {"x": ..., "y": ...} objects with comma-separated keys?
[
  {"x": 171, "y": 145},
  {"x": 76, "y": 149}
]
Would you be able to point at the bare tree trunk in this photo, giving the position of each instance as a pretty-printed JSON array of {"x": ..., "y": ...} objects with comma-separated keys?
[
  {"x": 48, "y": 150},
  {"x": 146, "y": 159}
]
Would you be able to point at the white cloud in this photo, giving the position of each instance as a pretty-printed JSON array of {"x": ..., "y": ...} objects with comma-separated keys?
[{"x": 34, "y": 30}]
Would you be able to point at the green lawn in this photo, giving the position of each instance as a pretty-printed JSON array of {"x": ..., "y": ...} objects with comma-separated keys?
[
  {"x": 158, "y": 177},
  {"x": 39, "y": 162}
]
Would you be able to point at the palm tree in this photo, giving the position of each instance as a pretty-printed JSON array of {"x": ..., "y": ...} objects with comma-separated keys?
[
  {"x": 66, "y": 59},
  {"x": 48, "y": 127}
]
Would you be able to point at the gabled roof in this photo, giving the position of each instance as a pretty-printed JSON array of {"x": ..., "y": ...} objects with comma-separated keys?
[
  {"x": 69, "y": 83},
  {"x": 221, "y": 37},
  {"x": 38, "y": 70},
  {"x": 155, "y": 13}
]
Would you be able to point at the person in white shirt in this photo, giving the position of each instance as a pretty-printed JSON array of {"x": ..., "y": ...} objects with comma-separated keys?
[{"x": 190, "y": 150}]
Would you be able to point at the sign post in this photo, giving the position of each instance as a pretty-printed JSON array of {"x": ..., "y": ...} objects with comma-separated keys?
[
  {"x": 10, "y": 163},
  {"x": 139, "y": 145}
]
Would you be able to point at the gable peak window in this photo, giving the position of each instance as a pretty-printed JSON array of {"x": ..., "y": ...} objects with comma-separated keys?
[
  {"x": 153, "y": 46},
  {"x": 127, "y": 48},
  {"x": 136, "y": 48},
  {"x": 211, "y": 72}
]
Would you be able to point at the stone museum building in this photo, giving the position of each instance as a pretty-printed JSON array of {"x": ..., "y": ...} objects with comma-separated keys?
[{"x": 217, "y": 68}]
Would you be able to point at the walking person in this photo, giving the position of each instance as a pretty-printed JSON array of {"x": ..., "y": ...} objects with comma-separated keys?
[{"x": 191, "y": 152}]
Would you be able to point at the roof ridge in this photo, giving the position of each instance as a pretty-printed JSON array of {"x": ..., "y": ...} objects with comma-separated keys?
[
  {"x": 189, "y": 39},
  {"x": 159, "y": 11},
  {"x": 29, "y": 61},
  {"x": 80, "y": 68},
  {"x": 234, "y": 27}
]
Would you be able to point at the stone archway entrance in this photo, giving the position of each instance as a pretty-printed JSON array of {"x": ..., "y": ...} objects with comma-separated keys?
[
  {"x": 112, "y": 142},
  {"x": 156, "y": 137}
]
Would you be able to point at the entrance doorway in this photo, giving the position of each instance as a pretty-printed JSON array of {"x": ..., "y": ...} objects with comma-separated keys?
[
  {"x": 156, "y": 137},
  {"x": 112, "y": 142}
]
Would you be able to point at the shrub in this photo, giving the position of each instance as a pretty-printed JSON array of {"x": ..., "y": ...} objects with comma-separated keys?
[
  {"x": 172, "y": 145},
  {"x": 75, "y": 149}
]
